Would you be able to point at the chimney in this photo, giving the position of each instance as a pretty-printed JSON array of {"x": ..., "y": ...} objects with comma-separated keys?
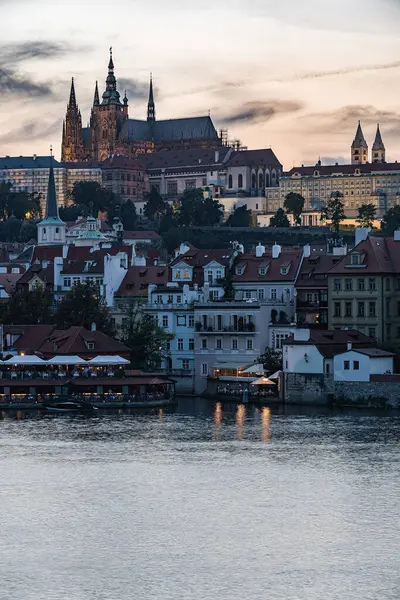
[
  {"x": 276, "y": 250},
  {"x": 93, "y": 326},
  {"x": 302, "y": 335},
  {"x": 216, "y": 156},
  {"x": 361, "y": 234},
  {"x": 65, "y": 251},
  {"x": 396, "y": 235},
  {"x": 140, "y": 261},
  {"x": 349, "y": 346},
  {"x": 260, "y": 250},
  {"x": 307, "y": 251}
]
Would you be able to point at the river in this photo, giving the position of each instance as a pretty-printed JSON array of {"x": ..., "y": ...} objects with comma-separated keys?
[{"x": 209, "y": 503}]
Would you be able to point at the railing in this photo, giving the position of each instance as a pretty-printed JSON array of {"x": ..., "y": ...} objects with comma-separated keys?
[
  {"x": 58, "y": 375},
  {"x": 168, "y": 305},
  {"x": 246, "y": 328}
]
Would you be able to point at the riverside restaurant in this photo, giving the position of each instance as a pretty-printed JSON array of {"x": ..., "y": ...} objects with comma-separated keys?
[{"x": 103, "y": 380}]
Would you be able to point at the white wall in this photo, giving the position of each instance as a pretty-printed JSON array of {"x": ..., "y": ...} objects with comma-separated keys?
[
  {"x": 294, "y": 359},
  {"x": 368, "y": 366}
]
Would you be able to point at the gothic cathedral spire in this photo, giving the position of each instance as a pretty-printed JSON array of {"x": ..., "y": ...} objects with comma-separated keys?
[
  {"x": 359, "y": 148},
  {"x": 96, "y": 99},
  {"x": 151, "y": 108},
  {"x": 111, "y": 94},
  {"x": 378, "y": 149},
  {"x": 72, "y": 143}
]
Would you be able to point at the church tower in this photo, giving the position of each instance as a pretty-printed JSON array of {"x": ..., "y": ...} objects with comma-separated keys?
[
  {"x": 72, "y": 139},
  {"x": 51, "y": 230},
  {"x": 151, "y": 108},
  {"x": 108, "y": 116},
  {"x": 378, "y": 149},
  {"x": 359, "y": 148}
]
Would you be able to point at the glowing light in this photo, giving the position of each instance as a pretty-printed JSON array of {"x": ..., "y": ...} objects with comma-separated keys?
[
  {"x": 266, "y": 425},
  {"x": 240, "y": 418},
  {"x": 217, "y": 421}
]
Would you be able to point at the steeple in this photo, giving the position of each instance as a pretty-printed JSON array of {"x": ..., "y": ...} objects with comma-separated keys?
[
  {"x": 72, "y": 148},
  {"x": 96, "y": 100},
  {"x": 111, "y": 94},
  {"x": 51, "y": 202},
  {"x": 378, "y": 149},
  {"x": 72, "y": 97},
  {"x": 51, "y": 230},
  {"x": 359, "y": 148},
  {"x": 151, "y": 109}
]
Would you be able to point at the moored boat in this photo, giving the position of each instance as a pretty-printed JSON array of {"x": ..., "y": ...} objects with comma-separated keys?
[{"x": 63, "y": 406}]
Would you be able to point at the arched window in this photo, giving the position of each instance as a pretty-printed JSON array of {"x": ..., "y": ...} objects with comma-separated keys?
[
  {"x": 273, "y": 178},
  {"x": 122, "y": 190},
  {"x": 44, "y": 232},
  {"x": 123, "y": 176},
  {"x": 104, "y": 134},
  {"x": 260, "y": 181},
  {"x": 240, "y": 181},
  {"x": 253, "y": 181},
  {"x": 230, "y": 182},
  {"x": 57, "y": 230},
  {"x": 267, "y": 180}
]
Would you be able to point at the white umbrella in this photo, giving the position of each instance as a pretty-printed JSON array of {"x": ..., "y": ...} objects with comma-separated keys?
[
  {"x": 263, "y": 381},
  {"x": 105, "y": 361},
  {"x": 67, "y": 360},
  {"x": 28, "y": 360}
]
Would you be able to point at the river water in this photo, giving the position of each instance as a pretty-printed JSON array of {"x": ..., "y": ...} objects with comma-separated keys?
[{"x": 209, "y": 503}]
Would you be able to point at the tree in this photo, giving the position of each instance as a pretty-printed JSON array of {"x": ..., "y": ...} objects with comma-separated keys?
[
  {"x": 279, "y": 219},
  {"x": 366, "y": 215},
  {"x": 272, "y": 360},
  {"x": 29, "y": 307},
  {"x": 334, "y": 211},
  {"x": 18, "y": 204},
  {"x": 241, "y": 217},
  {"x": 155, "y": 206},
  {"x": 90, "y": 196},
  {"x": 294, "y": 205},
  {"x": 146, "y": 339},
  {"x": 195, "y": 210},
  {"x": 70, "y": 213},
  {"x": 129, "y": 215},
  {"x": 83, "y": 306},
  {"x": 391, "y": 221}
]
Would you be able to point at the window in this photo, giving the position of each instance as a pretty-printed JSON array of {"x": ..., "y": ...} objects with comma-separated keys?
[
  {"x": 179, "y": 299},
  {"x": 387, "y": 284},
  {"x": 165, "y": 321},
  {"x": 273, "y": 294},
  {"x": 356, "y": 365},
  {"x": 204, "y": 344},
  {"x": 180, "y": 344},
  {"x": 372, "y": 309},
  {"x": 170, "y": 299},
  {"x": 361, "y": 309},
  {"x": 361, "y": 285},
  {"x": 388, "y": 330},
  {"x": 191, "y": 344},
  {"x": 230, "y": 182},
  {"x": 190, "y": 184},
  {"x": 172, "y": 188},
  {"x": 328, "y": 369},
  {"x": 348, "y": 285},
  {"x": 204, "y": 369},
  {"x": 191, "y": 320},
  {"x": 159, "y": 299},
  {"x": 372, "y": 284},
  {"x": 398, "y": 309},
  {"x": 177, "y": 274},
  {"x": 388, "y": 307},
  {"x": 181, "y": 320},
  {"x": 249, "y": 344},
  {"x": 218, "y": 344},
  {"x": 261, "y": 294},
  {"x": 90, "y": 345},
  {"x": 262, "y": 270},
  {"x": 337, "y": 311},
  {"x": 214, "y": 295},
  {"x": 348, "y": 309},
  {"x": 76, "y": 280},
  {"x": 372, "y": 332},
  {"x": 284, "y": 270},
  {"x": 67, "y": 281},
  {"x": 234, "y": 344},
  {"x": 185, "y": 364},
  {"x": 240, "y": 180},
  {"x": 186, "y": 274},
  {"x": 346, "y": 365},
  {"x": 337, "y": 285},
  {"x": 248, "y": 294}
]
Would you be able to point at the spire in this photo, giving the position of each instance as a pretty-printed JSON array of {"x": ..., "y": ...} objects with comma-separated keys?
[
  {"x": 96, "y": 100},
  {"x": 51, "y": 202},
  {"x": 378, "y": 143},
  {"x": 151, "y": 109},
  {"x": 72, "y": 97},
  {"x": 111, "y": 62},
  {"x": 111, "y": 95},
  {"x": 359, "y": 140},
  {"x": 125, "y": 99}
]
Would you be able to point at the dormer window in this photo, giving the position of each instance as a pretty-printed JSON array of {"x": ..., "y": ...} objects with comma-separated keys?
[
  {"x": 284, "y": 270},
  {"x": 316, "y": 173},
  {"x": 262, "y": 270},
  {"x": 186, "y": 274},
  {"x": 239, "y": 270},
  {"x": 177, "y": 274},
  {"x": 90, "y": 345},
  {"x": 355, "y": 258}
]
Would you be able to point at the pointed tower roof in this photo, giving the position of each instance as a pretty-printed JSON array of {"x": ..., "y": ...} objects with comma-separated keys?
[
  {"x": 72, "y": 97},
  {"x": 111, "y": 94},
  {"x": 359, "y": 140},
  {"x": 96, "y": 99},
  {"x": 378, "y": 143},
  {"x": 151, "y": 108},
  {"x": 51, "y": 200}
]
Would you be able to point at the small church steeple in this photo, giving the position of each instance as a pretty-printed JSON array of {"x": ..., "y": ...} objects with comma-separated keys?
[
  {"x": 378, "y": 149},
  {"x": 96, "y": 99},
  {"x": 51, "y": 230},
  {"x": 111, "y": 94},
  {"x": 151, "y": 108},
  {"x": 359, "y": 148}
]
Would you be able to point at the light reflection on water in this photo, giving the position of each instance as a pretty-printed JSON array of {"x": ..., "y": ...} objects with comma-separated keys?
[{"x": 214, "y": 503}]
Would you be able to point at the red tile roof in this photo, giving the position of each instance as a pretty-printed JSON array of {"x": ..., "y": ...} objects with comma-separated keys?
[
  {"x": 313, "y": 272},
  {"x": 138, "y": 279},
  {"x": 330, "y": 343},
  {"x": 379, "y": 255},
  {"x": 254, "y": 158},
  {"x": 36, "y": 270},
  {"x": 343, "y": 169},
  {"x": 121, "y": 162},
  {"x": 9, "y": 282},
  {"x": 289, "y": 258}
]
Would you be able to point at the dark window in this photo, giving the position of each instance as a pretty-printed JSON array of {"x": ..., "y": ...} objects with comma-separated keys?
[
  {"x": 398, "y": 309},
  {"x": 230, "y": 182},
  {"x": 348, "y": 284},
  {"x": 122, "y": 189},
  {"x": 338, "y": 285},
  {"x": 260, "y": 181},
  {"x": 361, "y": 309},
  {"x": 372, "y": 332},
  {"x": 361, "y": 285},
  {"x": 356, "y": 365},
  {"x": 337, "y": 309},
  {"x": 122, "y": 176},
  {"x": 253, "y": 181},
  {"x": 328, "y": 369},
  {"x": 348, "y": 309},
  {"x": 388, "y": 307},
  {"x": 240, "y": 180},
  {"x": 372, "y": 309},
  {"x": 387, "y": 284},
  {"x": 388, "y": 330},
  {"x": 109, "y": 177},
  {"x": 372, "y": 284},
  {"x": 128, "y": 177},
  {"x": 347, "y": 365}
]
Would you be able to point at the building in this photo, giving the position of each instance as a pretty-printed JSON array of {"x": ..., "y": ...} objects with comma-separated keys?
[
  {"x": 111, "y": 131},
  {"x": 51, "y": 230},
  {"x": 359, "y": 148},
  {"x": 77, "y": 172},
  {"x": 364, "y": 290},
  {"x": 126, "y": 177}
]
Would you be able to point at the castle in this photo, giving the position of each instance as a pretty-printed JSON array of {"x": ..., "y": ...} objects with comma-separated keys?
[{"x": 111, "y": 131}]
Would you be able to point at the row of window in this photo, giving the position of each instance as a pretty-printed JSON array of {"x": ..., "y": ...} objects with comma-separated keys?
[
  {"x": 128, "y": 177},
  {"x": 361, "y": 284},
  {"x": 218, "y": 344},
  {"x": 171, "y": 299},
  {"x": 70, "y": 281},
  {"x": 181, "y": 321},
  {"x": 364, "y": 309}
]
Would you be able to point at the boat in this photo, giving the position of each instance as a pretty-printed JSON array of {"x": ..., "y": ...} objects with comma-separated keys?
[{"x": 63, "y": 406}]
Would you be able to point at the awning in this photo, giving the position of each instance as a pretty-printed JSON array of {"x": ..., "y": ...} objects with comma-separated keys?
[
  {"x": 67, "y": 360},
  {"x": 27, "y": 360},
  {"x": 258, "y": 369},
  {"x": 263, "y": 381},
  {"x": 105, "y": 361},
  {"x": 275, "y": 375},
  {"x": 230, "y": 366}
]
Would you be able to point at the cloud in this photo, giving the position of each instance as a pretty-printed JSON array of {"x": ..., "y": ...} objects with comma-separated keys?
[
  {"x": 346, "y": 118},
  {"x": 19, "y": 52},
  {"x": 16, "y": 84},
  {"x": 32, "y": 130},
  {"x": 135, "y": 90},
  {"x": 337, "y": 72},
  {"x": 257, "y": 112},
  {"x": 333, "y": 160}
]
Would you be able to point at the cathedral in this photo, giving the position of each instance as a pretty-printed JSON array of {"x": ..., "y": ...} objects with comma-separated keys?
[{"x": 111, "y": 131}]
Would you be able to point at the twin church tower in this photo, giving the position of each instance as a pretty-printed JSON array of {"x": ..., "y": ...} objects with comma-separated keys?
[
  {"x": 110, "y": 130},
  {"x": 359, "y": 148}
]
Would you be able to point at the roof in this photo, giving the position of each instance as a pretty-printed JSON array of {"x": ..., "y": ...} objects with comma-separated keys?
[
  {"x": 330, "y": 343},
  {"x": 194, "y": 158},
  {"x": 329, "y": 170},
  {"x": 200, "y": 258},
  {"x": 254, "y": 158},
  {"x": 314, "y": 271},
  {"x": 140, "y": 235},
  {"x": 374, "y": 352},
  {"x": 138, "y": 279},
  {"x": 121, "y": 162},
  {"x": 359, "y": 140},
  {"x": 169, "y": 130},
  {"x": 9, "y": 281},
  {"x": 28, "y": 162},
  {"x": 378, "y": 143},
  {"x": 251, "y": 266},
  {"x": 36, "y": 270},
  {"x": 378, "y": 255}
]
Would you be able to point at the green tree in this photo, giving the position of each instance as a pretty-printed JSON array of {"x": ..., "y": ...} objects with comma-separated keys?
[
  {"x": 294, "y": 205},
  {"x": 155, "y": 207},
  {"x": 28, "y": 232},
  {"x": 129, "y": 216},
  {"x": 5, "y": 195},
  {"x": 366, "y": 215},
  {"x": 70, "y": 213},
  {"x": 391, "y": 221},
  {"x": 90, "y": 195},
  {"x": 272, "y": 360},
  {"x": 146, "y": 339},
  {"x": 195, "y": 210},
  {"x": 83, "y": 306},
  {"x": 241, "y": 217},
  {"x": 279, "y": 219},
  {"x": 28, "y": 307},
  {"x": 334, "y": 211},
  {"x": 18, "y": 204}
]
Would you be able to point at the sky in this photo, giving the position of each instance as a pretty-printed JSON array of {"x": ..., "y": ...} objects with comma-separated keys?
[{"x": 293, "y": 75}]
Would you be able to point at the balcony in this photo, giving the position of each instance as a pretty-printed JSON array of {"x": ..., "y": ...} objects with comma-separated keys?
[
  {"x": 246, "y": 328},
  {"x": 167, "y": 306}
]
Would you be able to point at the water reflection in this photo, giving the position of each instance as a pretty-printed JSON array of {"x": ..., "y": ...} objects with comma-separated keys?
[
  {"x": 266, "y": 425},
  {"x": 217, "y": 422},
  {"x": 240, "y": 419}
]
